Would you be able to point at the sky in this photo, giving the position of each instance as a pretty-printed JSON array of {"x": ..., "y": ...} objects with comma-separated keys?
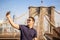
[{"x": 19, "y": 7}]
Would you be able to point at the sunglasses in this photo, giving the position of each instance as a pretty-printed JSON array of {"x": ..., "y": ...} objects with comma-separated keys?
[{"x": 28, "y": 20}]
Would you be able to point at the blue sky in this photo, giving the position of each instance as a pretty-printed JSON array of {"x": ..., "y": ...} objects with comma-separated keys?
[{"x": 19, "y": 7}]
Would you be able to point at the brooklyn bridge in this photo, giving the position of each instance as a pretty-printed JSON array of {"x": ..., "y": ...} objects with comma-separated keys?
[{"x": 42, "y": 12}]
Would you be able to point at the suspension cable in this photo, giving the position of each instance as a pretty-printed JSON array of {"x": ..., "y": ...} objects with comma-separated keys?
[
  {"x": 50, "y": 21},
  {"x": 20, "y": 16},
  {"x": 25, "y": 14},
  {"x": 57, "y": 12}
]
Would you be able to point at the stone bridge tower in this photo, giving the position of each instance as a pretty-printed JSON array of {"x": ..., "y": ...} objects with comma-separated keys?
[{"x": 40, "y": 12}]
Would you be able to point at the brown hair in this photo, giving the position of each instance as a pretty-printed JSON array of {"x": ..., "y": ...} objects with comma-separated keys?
[{"x": 32, "y": 18}]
